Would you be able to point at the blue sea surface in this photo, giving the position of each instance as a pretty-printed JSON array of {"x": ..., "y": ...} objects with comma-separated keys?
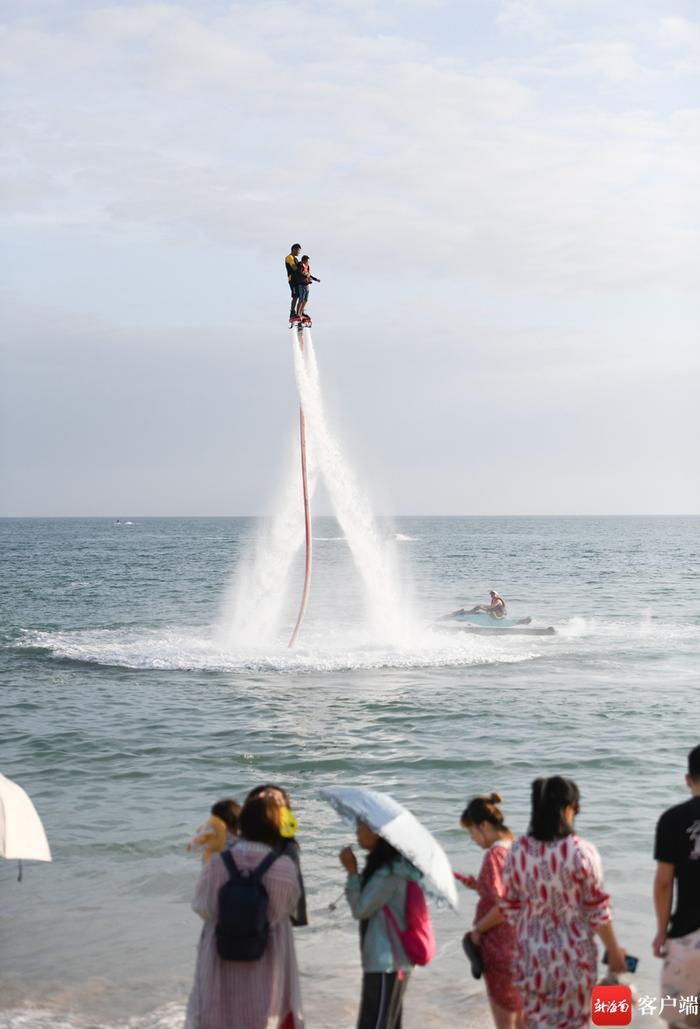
[{"x": 127, "y": 711}]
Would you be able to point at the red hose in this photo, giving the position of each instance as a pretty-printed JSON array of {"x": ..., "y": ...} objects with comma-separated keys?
[{"x": 307, "y": 524}]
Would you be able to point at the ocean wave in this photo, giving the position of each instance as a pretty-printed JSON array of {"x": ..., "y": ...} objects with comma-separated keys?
[
  {"x": 330, "y": 649},
  {"x": 171, "y": 1016},
  {"x": 644, "y": 629},
  {"x": 192, "y": 649}
]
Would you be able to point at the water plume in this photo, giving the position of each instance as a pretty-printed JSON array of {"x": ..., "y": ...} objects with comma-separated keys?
[
  {"x": 371, "y": 550},
  {"x": 252, "y": 610},
  {"x": 256, "y": 602}
]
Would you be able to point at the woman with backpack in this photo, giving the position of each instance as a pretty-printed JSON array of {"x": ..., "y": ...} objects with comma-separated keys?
[
  {"x": 246, "y": 974},
  {"x": 556, "y": 899},
  {"x": 491, "y": 934},
  {"x": 385, "y": 965}
]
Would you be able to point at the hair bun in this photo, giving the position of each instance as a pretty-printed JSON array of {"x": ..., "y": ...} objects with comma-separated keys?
[{"x": 496, "y": 798}]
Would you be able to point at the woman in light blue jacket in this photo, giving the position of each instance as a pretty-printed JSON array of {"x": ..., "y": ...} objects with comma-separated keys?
[{"x": 385, "y": 967}]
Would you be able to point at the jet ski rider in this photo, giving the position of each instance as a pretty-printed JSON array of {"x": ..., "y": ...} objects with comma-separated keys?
[{"x": 497, "y": 607}]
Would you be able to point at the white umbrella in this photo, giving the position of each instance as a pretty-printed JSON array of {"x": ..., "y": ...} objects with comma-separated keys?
[
  {"x": 402, "y": 830},
  {"x": 22, "y": 835}
]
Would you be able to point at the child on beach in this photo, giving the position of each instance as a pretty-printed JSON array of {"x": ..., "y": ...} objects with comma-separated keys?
[
  {"x": 484, "y": 821},
  {"x": 306, "y": 278},
  {"x": 220, "y": 830}
]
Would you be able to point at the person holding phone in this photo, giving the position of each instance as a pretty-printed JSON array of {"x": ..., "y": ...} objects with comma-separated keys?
[
  {"x": 556, "y": 899},
  {"x": 677, "y": 940},
  {"x": 495, "y": 938}
]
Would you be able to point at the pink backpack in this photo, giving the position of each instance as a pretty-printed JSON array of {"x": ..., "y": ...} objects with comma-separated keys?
[{"x": 417, "y": 939}]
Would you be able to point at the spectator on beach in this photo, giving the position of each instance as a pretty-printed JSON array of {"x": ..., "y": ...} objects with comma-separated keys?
[
  {"x": 250, "y": 994},
  {"x": 286, "y": 842},
  {"x": 385, "y": 966},
  {"x": 555, "y": 898},
  {"x": 677, "y": 940},
  {"x": 491, "y": 933},
  {"x": 220, "y": 830}
]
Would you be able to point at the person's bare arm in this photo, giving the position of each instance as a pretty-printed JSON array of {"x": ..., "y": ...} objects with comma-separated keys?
[
  {"x": 663, "y": 902},
  {"x": 490, "y": 920},
  {"x": 616, "y": 955}
]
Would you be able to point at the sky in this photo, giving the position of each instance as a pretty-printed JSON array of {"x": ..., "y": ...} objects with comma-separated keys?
[{"x": 499, "y": 197}]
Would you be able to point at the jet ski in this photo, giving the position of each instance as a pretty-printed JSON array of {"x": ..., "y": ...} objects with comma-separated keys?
[{"x": 481, "y": 623}]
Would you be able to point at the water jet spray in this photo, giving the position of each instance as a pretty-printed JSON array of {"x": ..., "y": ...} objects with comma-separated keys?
[{"x": 307, "y": 514}]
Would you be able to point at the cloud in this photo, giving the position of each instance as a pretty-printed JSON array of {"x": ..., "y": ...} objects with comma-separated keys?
[
  {"x": 680, "y": 32},
  {"x": 682, "y": 37},
  {"x": 616, "y": 60},
  {"x": 542, "y": 17},
  {"x": 219, "y": 127},
  {"x": 515, "y": 215}
]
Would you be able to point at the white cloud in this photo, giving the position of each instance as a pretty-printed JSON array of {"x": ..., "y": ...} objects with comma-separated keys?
[
  {"x": 207, "y": 127},
  {"x": 682, "y": 38},
  {"x": 522, "y": 209},
  {"x": 610, "y": 59},
  {"x": 541, "y": 17},
  {"x": 680, "y": 32}
]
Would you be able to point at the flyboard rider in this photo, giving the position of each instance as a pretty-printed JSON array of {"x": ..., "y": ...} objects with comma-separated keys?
[
  {"x": 292, "y": 267},
  {"x": 299, "y": 278},
  {"x": 303, "y": 288}
]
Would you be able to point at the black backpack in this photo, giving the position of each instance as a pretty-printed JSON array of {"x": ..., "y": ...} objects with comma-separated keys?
[{"x": 243, "y": 928}]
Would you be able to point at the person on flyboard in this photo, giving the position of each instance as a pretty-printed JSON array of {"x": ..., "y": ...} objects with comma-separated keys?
[
  {"x": 303, "y": 289},
  {"x": 293, "y": 270}
]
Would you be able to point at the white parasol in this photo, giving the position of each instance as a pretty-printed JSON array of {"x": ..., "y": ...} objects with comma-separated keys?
[
  {"x": 22, "y": 835},
  {"x": 402, "y": 830}
]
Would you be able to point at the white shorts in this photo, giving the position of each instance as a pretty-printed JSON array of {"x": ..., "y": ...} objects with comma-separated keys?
[{"x": 680, "y": 980}]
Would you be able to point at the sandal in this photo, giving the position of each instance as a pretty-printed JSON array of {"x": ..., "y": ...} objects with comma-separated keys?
[{"x": 473, "y": 955}]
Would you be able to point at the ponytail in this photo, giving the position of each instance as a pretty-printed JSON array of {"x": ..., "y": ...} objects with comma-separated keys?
[
  {"x": 484, "y": 809},
  {"x": 550, "y": 797}
]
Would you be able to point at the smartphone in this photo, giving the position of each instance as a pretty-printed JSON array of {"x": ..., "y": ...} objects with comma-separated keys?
[
  {"x": 466, "y": 880},
  {"x": 630, "y": 961}
]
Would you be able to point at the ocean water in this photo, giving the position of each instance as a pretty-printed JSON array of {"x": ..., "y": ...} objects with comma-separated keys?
[{"x": 130, "y": 704}]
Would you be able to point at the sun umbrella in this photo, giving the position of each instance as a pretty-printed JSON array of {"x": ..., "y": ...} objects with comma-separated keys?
[
  {"x": 22, "y": 835},
  {"x": 402, "y": 830}
]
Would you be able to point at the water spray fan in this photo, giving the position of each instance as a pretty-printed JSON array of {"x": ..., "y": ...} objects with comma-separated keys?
[{"x": 307, "y": 516}]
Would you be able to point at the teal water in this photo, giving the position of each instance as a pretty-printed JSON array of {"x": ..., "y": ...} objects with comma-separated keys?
[{"x": 127, "y": 710}]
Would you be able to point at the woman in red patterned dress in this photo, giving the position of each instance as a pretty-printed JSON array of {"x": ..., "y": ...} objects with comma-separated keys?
[
  {"x": 495, "y": 937},
  {"x": 556, "y": 899}
]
